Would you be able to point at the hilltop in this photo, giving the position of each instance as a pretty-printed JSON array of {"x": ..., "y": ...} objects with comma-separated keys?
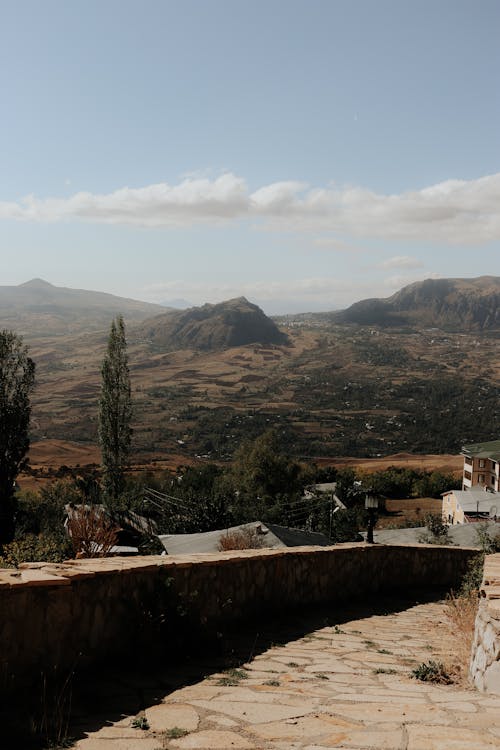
[
  {"x": 449, "y": 304},
  {"x": 236, "y": 322},
  {"x": 38, "y": 308}
]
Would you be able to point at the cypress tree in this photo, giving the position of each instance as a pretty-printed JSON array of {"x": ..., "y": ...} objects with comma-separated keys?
[
  {"x": 17, "y": 377},
  {"x": 115, "y": 411}
]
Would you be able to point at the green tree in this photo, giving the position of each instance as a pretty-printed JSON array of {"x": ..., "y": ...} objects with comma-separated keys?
[
  {"x": 17, "y": 377},
  {"x": 264, "y": 480},
  {"x": 115, "y": 411}
]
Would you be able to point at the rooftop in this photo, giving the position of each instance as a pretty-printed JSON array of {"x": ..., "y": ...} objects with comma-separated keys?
[{"x": 483, "y": 450}]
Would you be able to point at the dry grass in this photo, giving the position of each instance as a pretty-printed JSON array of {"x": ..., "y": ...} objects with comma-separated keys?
[
  {"x": 92, "y": 533},
  {"x": 461, "y": 611},
  {"x": 242, "y": 539}
]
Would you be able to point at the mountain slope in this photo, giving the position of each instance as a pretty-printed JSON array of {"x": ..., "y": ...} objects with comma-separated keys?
[
  {"x": 211, "y": 327},
  {"x": 450, "y": 304},
  {"x": 38, "y": 308}
]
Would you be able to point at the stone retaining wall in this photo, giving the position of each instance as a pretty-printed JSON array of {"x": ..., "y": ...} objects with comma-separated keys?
[
  {"x": 485, "y": 659},
  {"x": 83, "y": 611}
]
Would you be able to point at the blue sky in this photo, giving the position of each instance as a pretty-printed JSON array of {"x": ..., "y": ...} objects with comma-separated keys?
[{"x": 305, "y": 154}]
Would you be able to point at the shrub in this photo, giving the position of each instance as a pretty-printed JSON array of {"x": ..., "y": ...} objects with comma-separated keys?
[
  {"x": 32, "y": 548},
  {"x": 433, "y": 671},
  {"x": 438, "y": 532},
  {"x": 246, "y": 538},
  {"x": 92, "y": 533}
]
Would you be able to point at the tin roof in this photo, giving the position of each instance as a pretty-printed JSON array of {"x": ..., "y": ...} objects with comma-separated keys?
[{"x": 483, "y": 450}]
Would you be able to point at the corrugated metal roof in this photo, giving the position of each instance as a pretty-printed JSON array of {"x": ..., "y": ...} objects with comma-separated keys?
[
  {"x": 271, "y": 535},
  {"x": 483, "y": 450}
]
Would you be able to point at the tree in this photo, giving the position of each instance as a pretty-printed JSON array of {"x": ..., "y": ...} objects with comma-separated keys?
[
  {"x": 115, "y": 411},
  {"x": 17, "y": 377}
]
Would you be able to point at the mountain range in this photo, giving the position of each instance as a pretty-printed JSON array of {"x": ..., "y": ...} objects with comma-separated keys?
[
  {"x": 449, "y": 304},
  {"x": 39, "y": 309}
]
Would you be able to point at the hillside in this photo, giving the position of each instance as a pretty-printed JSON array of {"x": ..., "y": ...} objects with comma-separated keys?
[
  {"x": 37, "y": 308},
  {"x": 449, "y": 304},
  {"x": 236, "y": 322},
  {"x": 330, "y": 390}
]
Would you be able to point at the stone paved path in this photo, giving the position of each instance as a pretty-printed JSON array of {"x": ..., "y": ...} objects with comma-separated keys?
[{"x": 344, "y": 686}]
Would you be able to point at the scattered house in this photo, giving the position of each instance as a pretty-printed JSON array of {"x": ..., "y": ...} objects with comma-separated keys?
[
  {"x": 270, "y": 536},
  {"x": 324, "y": 490},
  {"x": 482, "y": 465},
  {"x": 475, "y": 504},
  {"x": 479, "y": 498}
]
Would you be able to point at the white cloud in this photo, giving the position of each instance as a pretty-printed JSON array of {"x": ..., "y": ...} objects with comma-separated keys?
[
  {"x": 451, "y": 212},
  {"x": 401, "y": 261}
]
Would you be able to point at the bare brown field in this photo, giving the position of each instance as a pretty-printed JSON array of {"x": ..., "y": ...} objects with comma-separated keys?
[
  {"x": 403, "y": 511},
  {"x": 445, "y": 463}
]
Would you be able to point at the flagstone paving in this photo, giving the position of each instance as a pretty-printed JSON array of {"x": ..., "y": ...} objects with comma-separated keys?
[{"x": 344, "y": 686}]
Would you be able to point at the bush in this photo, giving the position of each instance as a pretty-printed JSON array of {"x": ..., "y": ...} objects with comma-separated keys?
[
  {"x": 248, "y": 538},
  {"x": 32, "y": 548},
  {"x": 91, "y": 531},
  {"x": 438, "y": 532},
  {"x": 433, "y": 671}
]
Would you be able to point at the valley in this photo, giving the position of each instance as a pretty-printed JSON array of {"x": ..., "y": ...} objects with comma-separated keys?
[{"x": 332, "y": 391}]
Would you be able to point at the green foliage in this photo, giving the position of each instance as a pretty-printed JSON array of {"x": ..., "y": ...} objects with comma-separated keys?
[
  {"x": 17, "y": 377},
  {"x": 432, "y": 671},
  {"x": 140, "y": 722},
  {"x": 346, "y": 525},
  {"x": 489, "y": 545},
  {"x": 472, "y": 579},
  {"x": 437, "y": 531},
  {"x": 43, "y": 513},
  {"x": 175, "y": 733},
  {"x": 115, "y": 411},
  {"x": 32, "y": 548},
  {"x": 232, "y": 677},
  {"x": 400, "y": 482}
]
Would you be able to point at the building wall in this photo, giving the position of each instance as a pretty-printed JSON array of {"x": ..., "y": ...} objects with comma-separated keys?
[
  {"x": 452, "y": 512},
  {"x": 485, "y": 660}
]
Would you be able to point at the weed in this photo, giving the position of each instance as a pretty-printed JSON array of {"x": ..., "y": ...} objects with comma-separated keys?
[
  {"x": 461, "y": 611},
  {"x": 232, "y": 677},
  {"x": 272, "y": 683},
  {"x": 67, "y": 742},
  {"x": 432, "y": 671},
  {"x": 175, "y": 733},
  {"x": 384, "y": 651},
  {"x": 140, "y": 722},
  {"x": 338, "y": 631},
  {"x": 383, "y": 670},
  {"x": 370, "y": 644},
  {"x": 321, "y": 676},
  {"x": 55, "y": 705},
  {"x": 293, "y": 664}
]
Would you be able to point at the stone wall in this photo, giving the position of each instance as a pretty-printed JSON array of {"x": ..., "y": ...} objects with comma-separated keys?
[
  {"x": 485, "y": 659},
  {"x": 83, "y": 611}
]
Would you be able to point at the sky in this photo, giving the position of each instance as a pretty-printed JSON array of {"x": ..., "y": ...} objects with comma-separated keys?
[{"x": 305, "y": 154}]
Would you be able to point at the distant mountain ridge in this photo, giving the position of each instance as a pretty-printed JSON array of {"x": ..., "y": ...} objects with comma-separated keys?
[
  {"x": 235, "y": 322},
  {"x": 450, "y": 304},
  {"x": 39, "y": 308}
]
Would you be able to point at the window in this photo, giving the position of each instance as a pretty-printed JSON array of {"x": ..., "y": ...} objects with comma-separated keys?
[
  {"x": 480, "y": 478},
  {"x": 481, "y": 463},
  {"x": 467, "y": 475}
]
